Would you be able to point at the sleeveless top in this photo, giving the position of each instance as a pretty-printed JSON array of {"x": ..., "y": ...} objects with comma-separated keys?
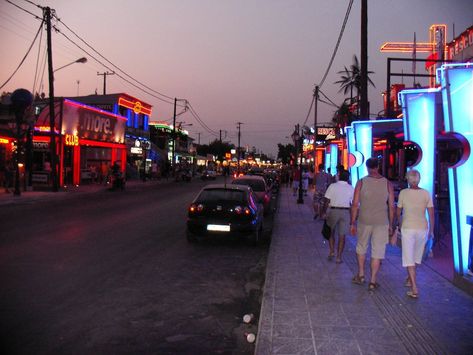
[{"x": 374, "y": 201}]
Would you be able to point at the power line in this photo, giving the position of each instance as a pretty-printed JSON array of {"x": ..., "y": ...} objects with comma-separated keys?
[
  {"x": 37, "y": 60},
  {"x": 97, "y": 60},
  {"x": 201, "y": 122},
  {"x": 32, "y": 3},
  {"x": 129, "y": 76},
  {"x": 338, "y": 43},
  {"x": 26, "y": 55},
  {"x": 193, "y": 111},
  {"x": 108, "y": 67},
  {"x": 23, "y": 9},
  {"x": 330, "y": 102},
  {"x": 310, "y": 109}
]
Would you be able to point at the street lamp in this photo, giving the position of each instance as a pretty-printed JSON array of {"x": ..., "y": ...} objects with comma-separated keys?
[
  {"x": 80, "y": 60},
  {"x": 298, "y": 139},
  {"x": 21, "y": 100}
]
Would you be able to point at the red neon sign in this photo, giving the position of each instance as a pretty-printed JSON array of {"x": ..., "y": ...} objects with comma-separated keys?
[{"x": 136, "y": 105}]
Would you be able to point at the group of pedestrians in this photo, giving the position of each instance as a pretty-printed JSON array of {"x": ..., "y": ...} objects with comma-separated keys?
[{"x": 368, "y": 212}]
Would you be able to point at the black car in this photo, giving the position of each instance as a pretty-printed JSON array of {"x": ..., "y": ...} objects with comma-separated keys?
[{"x": 225, "y": 210}]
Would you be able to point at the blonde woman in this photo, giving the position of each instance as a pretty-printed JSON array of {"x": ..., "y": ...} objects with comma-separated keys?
[{"x": 412, "y": 205}]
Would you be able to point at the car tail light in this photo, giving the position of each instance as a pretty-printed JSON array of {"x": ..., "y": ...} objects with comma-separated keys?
[
  {"x": 196, "y": 208},
  {"x": 242, "y": 210}
]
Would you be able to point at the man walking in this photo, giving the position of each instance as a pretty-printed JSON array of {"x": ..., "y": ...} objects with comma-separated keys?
[
  {"x": 373, "y": 206},
  {"x": 339, "y": 195},
  {"x": 322, "y": 180}
]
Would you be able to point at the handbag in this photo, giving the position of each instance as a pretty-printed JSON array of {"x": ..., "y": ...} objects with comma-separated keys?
[
  {"x": 326, "y": 230},
  {"x": 427, "y": 249}
]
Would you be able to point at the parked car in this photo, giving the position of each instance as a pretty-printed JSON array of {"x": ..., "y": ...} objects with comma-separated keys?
[
  {"x": 209, "y": 175},
  {"x": 225, "y": 210},
  {"x": 259, "y": 186}
]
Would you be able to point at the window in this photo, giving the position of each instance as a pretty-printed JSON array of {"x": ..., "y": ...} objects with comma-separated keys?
[{"x": 213, "y": 195}]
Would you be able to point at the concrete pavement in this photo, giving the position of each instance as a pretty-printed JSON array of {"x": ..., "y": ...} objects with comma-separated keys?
[{"x": 310, "y": 305}]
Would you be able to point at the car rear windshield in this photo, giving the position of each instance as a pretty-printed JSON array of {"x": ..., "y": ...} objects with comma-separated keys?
[
  {"x": 214, "y": 195},
  {"x": 256, "y": 185}
]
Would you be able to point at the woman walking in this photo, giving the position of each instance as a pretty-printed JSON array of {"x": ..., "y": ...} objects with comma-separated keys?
[{"x": 415, "y": 230}]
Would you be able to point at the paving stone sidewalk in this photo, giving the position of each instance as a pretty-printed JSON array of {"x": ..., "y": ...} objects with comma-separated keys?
[{"x": 310, "y": 305}]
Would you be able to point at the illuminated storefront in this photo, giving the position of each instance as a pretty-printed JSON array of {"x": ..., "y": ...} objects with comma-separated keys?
[
  {"x": 89, "y": 141},
  {"x": 456, "y": 82},
  {"x": 448, "y": 109},
  {"x": 140, "y": 152}
]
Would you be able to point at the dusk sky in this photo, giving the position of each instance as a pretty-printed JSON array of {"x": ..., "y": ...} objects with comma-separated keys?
[{"x": 249, "y": 61}]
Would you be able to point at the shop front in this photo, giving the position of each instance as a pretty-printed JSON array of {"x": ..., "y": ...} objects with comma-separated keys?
[{"x": 88, "y": 140}]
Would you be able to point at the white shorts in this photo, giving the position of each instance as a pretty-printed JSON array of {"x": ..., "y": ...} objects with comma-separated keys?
[{"x": 413, "y": 243}]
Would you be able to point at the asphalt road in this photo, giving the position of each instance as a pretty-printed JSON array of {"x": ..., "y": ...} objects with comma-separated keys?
[{"x": 112, "y": 272}]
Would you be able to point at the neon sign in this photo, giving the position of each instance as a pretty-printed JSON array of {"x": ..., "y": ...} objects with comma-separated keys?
[
  {"x": 71, "y": 139},
  {"x": 460, "y": 43},
  {"x": 4, "y": 141},
  {"x": 135, "y": 105}
]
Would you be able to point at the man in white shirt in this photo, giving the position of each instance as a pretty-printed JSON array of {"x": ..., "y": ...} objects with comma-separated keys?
[{"x": 340, "y": 196}]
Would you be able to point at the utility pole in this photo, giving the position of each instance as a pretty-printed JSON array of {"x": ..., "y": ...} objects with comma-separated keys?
[
  {"x": 238, "y": 150},
  {"x": 220, "y": 131},
  {"x": 364, "y": 109},
  {"x": 316, "y": 98},
  {"x": 52, "y": 130},
  {"x": 198, "y": 139},
  {"x": 104, "y": 74},
  {"x": 173, "y": 166}
]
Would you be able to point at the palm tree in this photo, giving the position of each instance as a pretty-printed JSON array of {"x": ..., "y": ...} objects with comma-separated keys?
[
  {"x": 351, "y": 79},
  {"x": 343, "y": 116}
]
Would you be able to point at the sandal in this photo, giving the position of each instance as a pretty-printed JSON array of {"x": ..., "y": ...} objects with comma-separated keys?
[
  {"x": 412, "y": 294},
  {"x": 338, "y": 261},
  {"x": 373, "y": 286},
  {"x": 357, "y": 279},
  {"x": 330, "y": 256}
]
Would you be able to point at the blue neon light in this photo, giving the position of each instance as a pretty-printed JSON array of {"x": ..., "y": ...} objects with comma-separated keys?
[
  {"x": 420, "y": 114},
  {"x": 333, "y": 158},
  {"x": 327, "y": 161},
  {"x": 129, "y": 117},
  {"x": 364, "y": 143},
  {"x": 351, "y": 144},
  {"x": 457, "y": 91}
]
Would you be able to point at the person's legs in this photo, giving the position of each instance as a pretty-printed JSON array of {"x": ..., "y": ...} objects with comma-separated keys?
[
  {"x": 341, "y": 247},
  {"x": 343, "y": 229},
  {"x": 332, "y": 222},
  {"x": 363, "y": 234},
  {"x": 360, "y": 258},
  {"x": 331, "y": 245},
  {"x": 379, "y": 240},
  {"x": 411, "y": 270},
  {"x": 375, "y": 265}
]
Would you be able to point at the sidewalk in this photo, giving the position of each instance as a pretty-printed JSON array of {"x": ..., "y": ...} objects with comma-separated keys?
[
  {"x": 310, "y": 305},
  {"x": 47, "y": 194}
]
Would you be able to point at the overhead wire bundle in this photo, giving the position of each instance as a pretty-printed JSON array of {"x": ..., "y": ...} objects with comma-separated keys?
[
  {"x": 332, "y": 58},
  {"x": 102, "y": 60}
]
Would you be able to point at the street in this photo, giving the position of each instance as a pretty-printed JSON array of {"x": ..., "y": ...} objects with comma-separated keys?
[{"x": 112, "y": 272}]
